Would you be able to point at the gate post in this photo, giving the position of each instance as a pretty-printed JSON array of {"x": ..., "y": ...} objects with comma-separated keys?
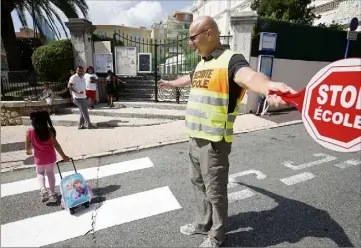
[
  {"x": 156, "y": 71},
  {"x": 81, "y": 31}
]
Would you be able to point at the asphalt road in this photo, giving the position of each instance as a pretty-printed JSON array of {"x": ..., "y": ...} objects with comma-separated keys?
[{"x": 323, "y": 211}]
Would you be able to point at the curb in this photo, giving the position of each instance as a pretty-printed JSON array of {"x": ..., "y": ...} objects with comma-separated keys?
[
  {"x": 154, "y": 145},
  {"x": 65, "y": 123}
]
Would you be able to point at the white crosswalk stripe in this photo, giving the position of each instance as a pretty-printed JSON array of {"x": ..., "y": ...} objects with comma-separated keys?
[
  {"x": 32, "y": 184},
  {"x": 40, "y": 230}
]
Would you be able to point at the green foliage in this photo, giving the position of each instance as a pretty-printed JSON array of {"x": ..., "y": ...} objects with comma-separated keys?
[
  {"x": 294, "y": 11},
  {"x": 334, "y": 26},
  {"x": 26, "y": 49},
  {"x": 305, "y": 42},
  {"x": 47, "y": 13},
  {"x": 54, "y": 60},
  {"x": 97, "y": 37}
]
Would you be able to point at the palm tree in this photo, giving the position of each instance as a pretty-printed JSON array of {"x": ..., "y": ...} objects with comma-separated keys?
[{"x": 39, "y": 9}]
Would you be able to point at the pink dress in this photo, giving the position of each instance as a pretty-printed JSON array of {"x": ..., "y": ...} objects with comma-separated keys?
[{"x": 44, "y": 151}]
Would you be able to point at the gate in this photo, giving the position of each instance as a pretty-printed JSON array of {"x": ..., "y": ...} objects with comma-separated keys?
[{"x": 170, "y": 59}]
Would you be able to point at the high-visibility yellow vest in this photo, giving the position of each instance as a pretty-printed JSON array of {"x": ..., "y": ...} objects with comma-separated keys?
[{"x": 207, "y": 114}]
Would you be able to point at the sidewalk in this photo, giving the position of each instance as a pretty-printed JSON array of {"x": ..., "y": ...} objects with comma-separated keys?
[{"x": 106, "y": 141}]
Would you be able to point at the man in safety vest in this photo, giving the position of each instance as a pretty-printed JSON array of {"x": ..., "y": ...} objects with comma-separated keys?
[{"x": 219, "y": 83}]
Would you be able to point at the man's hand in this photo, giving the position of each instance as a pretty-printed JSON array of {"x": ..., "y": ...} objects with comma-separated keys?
[
  {"x": 164, "y": 84},
  {"x": 29, "y": 152},
  {"x": 274, "y": 100}
]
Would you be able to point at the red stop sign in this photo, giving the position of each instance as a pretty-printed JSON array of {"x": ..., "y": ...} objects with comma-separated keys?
[{"x": 332, "y": 106}]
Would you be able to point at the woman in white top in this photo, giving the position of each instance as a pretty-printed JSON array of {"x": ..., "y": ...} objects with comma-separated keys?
[{"x": 91, "y": 80}]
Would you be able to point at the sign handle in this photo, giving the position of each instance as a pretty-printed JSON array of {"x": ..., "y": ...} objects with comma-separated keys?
[
  {"x": 294, "y": 99},
  {"x": 347, "y": 46}
]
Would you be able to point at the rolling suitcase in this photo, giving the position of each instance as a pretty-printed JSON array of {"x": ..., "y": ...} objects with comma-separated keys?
[{"x": 75, "y": 191}]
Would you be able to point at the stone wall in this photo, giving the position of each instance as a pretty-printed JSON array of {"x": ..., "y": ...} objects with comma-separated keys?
[
  {"x": 12, "y": 111},
  {"x": 10, "y": 117}
]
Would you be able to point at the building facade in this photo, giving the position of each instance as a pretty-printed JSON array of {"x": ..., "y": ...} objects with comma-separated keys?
[
  {"x": 177, "y": 24},
  {"x": 176, "y": 27},
  {"x": 133, "y": 32},
  {"x": 337, "y": 11},
  {"x": 27, "y": 33},
  {"x": 221, "y": 11},
  {"x": 331, "y": 11}
]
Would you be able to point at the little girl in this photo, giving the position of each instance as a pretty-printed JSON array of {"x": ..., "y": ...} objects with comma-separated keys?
[{"x": 42, "y": 137}]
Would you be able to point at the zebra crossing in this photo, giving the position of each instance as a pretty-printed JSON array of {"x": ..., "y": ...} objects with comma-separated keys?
[
  {"x": 40, "y": 230},
  {"x": 159, "y": 199}
]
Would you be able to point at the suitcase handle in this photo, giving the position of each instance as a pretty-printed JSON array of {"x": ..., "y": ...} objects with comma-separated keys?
[{"x": 62, "y": 161}]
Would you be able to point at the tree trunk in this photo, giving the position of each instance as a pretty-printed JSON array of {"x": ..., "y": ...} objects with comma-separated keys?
[{"x": 9, "y": 40}]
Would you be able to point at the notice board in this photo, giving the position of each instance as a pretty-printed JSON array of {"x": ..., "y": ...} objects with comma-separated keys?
[
  {"x": 144, "y": 62},
  {"x": 126, "y": 60}
]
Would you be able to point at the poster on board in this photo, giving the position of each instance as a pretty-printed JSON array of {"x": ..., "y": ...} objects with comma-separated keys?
[
  {"x": 125, "y": 61},
  {"x": 144, "y": 62},
  {"x": 103, "y": 62}
]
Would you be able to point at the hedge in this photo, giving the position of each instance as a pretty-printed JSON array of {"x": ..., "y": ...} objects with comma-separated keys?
[
  {"x": 303, "y": 42},
  {"x": 54, "y": 60}
]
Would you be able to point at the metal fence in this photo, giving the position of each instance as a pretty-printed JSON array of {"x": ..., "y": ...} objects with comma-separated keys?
[
  {"x": 28, "y": 85},
  {"x": 171, "y": 58}
]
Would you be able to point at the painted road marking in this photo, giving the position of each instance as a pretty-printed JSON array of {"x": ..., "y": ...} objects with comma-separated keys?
[
  {"x": 32, "y": 184},
  {"x": 233, "y": 181},
  {"x": 59, "y": 226},
  {"x": 326, "y": 159},
  {"x": 239, "y": 195},
  {"x": 348, "y": 163},
  {"x": 297, "y": 178}
]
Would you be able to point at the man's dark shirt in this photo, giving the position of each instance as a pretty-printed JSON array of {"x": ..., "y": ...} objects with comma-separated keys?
[{"x": 237, "y": 61}]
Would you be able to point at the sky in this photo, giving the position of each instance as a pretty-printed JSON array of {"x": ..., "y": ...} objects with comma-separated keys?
[{"x": 129, "y": 13}]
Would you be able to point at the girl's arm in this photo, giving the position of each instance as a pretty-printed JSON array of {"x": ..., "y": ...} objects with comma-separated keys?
[
  {"x": 58, "y": 148},
  {"x": 28, "y": 145}
]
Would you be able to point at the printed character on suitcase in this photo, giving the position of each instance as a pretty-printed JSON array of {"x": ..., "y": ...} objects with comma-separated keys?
[{"x": 75, "y": 191}]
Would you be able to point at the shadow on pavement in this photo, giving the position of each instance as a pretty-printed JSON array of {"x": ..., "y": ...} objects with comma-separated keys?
[
  {"x": 99, "y": 192},
  {"x": 290, "y": 221},
  {"x": 11, "y": 147},
  {"x": 105, "y": 190},
  {"x": 29, "y": 160}
]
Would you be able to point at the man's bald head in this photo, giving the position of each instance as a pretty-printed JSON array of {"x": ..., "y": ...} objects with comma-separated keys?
[
  {"x": 205, "y": 22},
  {"x": 204, "y": 35}
]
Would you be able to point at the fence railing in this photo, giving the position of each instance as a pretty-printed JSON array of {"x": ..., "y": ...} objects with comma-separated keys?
[
  {"x": 171, "y": 58},
  {"x": 27, "y": 86}
]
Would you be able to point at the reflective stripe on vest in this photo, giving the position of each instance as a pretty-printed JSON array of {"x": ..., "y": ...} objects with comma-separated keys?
[{"x": 206, "y": 114}]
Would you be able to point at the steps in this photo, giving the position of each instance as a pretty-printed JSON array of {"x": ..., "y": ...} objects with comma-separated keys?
[
  {"x": 158, "y": 105},
  {"x": 142, "y": 110},
  {"x": 124, "y": 114}
]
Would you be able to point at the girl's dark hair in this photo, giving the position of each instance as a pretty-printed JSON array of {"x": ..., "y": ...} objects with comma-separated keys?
[
  {"x": 42, "y": 124},
  {"x": 89, "y": 67}
]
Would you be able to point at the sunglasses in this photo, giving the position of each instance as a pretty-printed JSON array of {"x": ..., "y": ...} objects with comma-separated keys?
[{"x": 193, "y": 37}]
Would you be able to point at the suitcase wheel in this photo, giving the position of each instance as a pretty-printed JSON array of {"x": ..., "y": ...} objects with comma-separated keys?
[
  {"x": 72, "y": 211},
  {"x": 86, "y": 205}
]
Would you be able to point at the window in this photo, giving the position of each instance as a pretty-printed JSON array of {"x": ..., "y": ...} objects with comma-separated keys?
[{"x": 186, "y": 18}]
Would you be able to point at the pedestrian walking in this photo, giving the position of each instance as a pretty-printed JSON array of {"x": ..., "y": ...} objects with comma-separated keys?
[
  {"x": 91, "y": 80},
  {"x": 42, "y": 136},
  {"x": 111, "y": 86},
  {"x": 218, "y": 84},
  {"x": 77, "y": 85}
]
